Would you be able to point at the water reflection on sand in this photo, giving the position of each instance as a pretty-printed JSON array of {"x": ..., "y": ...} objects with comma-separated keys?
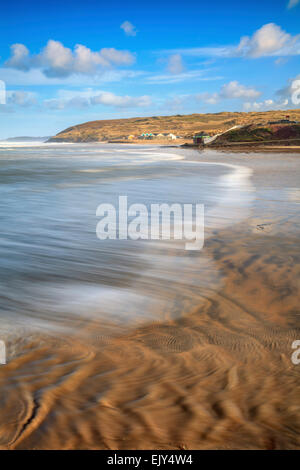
[{"x": 123, "y": 344}]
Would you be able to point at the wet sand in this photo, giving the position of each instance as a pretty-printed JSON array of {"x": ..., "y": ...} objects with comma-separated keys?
[{"x": 214, "y": 373}]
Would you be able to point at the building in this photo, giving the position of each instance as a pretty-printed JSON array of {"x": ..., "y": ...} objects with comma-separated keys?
[
  {"x": 172, "y": 136},
  {"x": 146, "y": 135},
  {"x": 283, "y": 121},
  {"x": 199, "y": 139}
]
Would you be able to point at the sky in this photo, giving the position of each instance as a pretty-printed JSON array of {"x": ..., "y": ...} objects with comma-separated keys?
[{"x": 67, "y": 62}]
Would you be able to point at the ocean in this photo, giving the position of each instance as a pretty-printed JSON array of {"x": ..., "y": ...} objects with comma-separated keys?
[{"x": 54, "y": 269}]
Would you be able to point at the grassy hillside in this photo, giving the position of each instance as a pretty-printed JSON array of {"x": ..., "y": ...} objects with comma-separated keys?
[
  {"x": 183, "y": 125},
  {"x": 259, "y": 134}
]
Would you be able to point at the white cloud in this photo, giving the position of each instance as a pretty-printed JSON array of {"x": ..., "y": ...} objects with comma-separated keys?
[
  {"x": 110, "y": 99},
  {"x": 19, "y": 57},
  {"x": 56, "y": 60},
  {"x": 175, "y": 64},
  {"x": 21, "y": 98},
  {"x": 175, "y": 103},
  {"x": 111, "y": 56},
  {"x": 89, "y": 97},
  {"x": 128, "y": 28},
  {"x": 269, "y": 40},
  {"x": 234, "y": 90},
  {"x": 55, "y": 103},
  {"x": 292, "y": 3},
  {"x": 209, "y": 98},
  {"x": 265, "y": 105},
  {"x": 231, "y": 90},
  {"x": 287, "y": 91}
]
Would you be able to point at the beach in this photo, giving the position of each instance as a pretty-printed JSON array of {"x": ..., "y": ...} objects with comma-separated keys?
[{"x": 144, "y": 345}]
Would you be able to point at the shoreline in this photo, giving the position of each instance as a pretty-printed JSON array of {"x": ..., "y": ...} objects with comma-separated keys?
[{"x": 253, "y": 147}]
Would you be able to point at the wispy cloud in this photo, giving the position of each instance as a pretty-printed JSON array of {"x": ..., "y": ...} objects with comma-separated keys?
[
  {"x": 229, "y": 91},
  {"x": 128, "y": 28},
  {"x": 221, "y": 51},
  {"x": 175, "y": 64},
  {"x": 17, "y": 99},
  {"x": 21, "y": 98},
  {"x": 208, "y": 98},
  {"x": 181, "y": 77},
  {"x": 269, "y": 40},
  {"x": 87, "y": 98},
  {"x": 33, "y": 77},
  {"x": 110, "y": 99},
  {"x": 56, "y": 60},
  {"x": 292, "y": 4},
  {"x": 175, "y": 103},
  {"x": 281, "y": 61}
]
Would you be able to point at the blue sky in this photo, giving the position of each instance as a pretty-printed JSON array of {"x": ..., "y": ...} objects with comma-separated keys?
[{"x": 68, "y": 62}]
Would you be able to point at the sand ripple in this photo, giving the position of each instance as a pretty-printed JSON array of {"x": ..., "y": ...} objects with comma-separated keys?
[{"x": 220, "y": 376}]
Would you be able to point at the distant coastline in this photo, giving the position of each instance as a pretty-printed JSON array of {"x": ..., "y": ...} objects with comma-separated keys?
[
  {"x": 219, "y": 130},
  {"x": 25, "y": 139},
  {"x": 226, "y": 131}
]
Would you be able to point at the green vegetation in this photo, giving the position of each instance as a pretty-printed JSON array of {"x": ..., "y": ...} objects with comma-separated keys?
[{"x": 254, "y": 133}]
